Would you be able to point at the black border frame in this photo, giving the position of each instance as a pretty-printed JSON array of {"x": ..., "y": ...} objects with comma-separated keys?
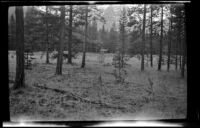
[{"x": 193, "y": 111}]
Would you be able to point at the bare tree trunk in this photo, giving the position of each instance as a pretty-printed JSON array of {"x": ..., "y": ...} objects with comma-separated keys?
[
  {"x": 19, "y": 79},
  {"x": 176, "y": 59},
  {"x": 84, "y": 44},
  {"x": 60, "y": 48},
  {"x": 123, "y": 40},
  {"x": 183, "y": 60},
  {"x": 161, "y": 38},
  {"x": 178, "y": 42},
  {"x": 70, "y": 36},
  {"x": 169, "y": 42},
  {"x": 151, "y": 45},
  {"x": 184, "y": 53},
  {"x": 180, "y": 54},
  {"x": 47, "y": 38},
  {"x": 143, "y": 38}
]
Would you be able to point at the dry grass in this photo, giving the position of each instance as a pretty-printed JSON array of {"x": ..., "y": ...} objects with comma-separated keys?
[{"x": 167, "y": 101}]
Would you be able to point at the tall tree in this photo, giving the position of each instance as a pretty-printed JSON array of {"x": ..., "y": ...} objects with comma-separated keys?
[
  {"x": 85, "y": 40},
  {"x": 170, "y": 40},
  {"x": 123, "y": 24},
  {"x": 178, "y": 43},
  {"x": 177, "y": 46},
  {"x": 61, "y": 45},
  {"x": 180, "y": 53},
  {"x": 70, "y": 36},
  {"x": 19, "y": 79},
  {"x": 12, "y": 33},
  {"x": 143, "y": 38},
  {"x": 184, "y": 46},
  {"x": 161, "y": 40},
  {"x": 151, "y": 29},
  {"x": 47, "y": 37},
  {"x": 184, "y": 55}
]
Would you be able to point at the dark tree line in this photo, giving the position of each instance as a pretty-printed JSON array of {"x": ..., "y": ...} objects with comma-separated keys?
[{"x": 166, "y": 36}]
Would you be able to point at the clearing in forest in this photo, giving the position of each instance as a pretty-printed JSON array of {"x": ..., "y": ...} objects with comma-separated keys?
[{"x": 93, "y": 94}]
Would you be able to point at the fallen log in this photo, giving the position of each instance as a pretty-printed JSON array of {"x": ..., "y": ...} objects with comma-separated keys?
[{"x": 81, "y": 98}]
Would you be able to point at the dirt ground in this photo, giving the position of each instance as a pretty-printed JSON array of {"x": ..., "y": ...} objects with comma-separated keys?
[{"x": 79, "y": 94}]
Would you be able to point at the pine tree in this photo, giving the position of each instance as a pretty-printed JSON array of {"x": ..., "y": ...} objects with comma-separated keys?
[
  {"x": 170, "y": 40},
  {"x": 12, "y": 34},
  {"x": 119, "y": 59},
  {"x": 47, "y": 37},
  {"x": 123, "y": 24},
  {"x": 85, "y": 37},
  {"x": 151, "y": 34},
  {"x": 184, "y": 55},
  {"x": 143, "y": 38},
  {"x": 161, "y": 41},
  {"x": 19, "y": 79},
  {"x": 60, "y": 48},
  {"x": 70, "y": 36}
]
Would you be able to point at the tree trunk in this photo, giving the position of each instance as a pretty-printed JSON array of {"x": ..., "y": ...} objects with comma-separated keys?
[
  {"x": 60, "y": 48},
  {"x": 123, "y": 40},
  {"x": 84, "y": 44},
  {"x": 169, "y": 42},
  {"x": 180, "y": 54},
  {"x": 143, "y": 38},
  {"x": 161, "y": 38},
  {"x": 19, "y": 79},
  {"x": 151, "y": 46},
  {"x": 70, "y": 36},
  {"x": 178, "y": 42},
  {"x": 183, "y": 60},
  {"x": 47, "y": 38},
  {"x": 184, "y": 53},
  {"x": 176, "y": 59}
]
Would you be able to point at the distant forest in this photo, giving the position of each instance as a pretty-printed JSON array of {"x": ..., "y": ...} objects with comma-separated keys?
[{"x": 145, "y": 30}]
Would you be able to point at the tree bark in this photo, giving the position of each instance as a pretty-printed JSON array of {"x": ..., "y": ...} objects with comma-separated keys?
[
  {"x": 70, "y": 36},
  {"x": 176, "y": 59},
  {"x": 60, "y": 48},
  {"x": 19, "y": 79},
  {"x": 84, "y": 44},
  {"x": 161, "y": 38},
  {"x": 151, "y": 45},
  {"x": 169, "y": 42},
  {"x": 184, "y": 53},
  {"x": 143, "y": 38},
  {"x": 180, "y": 53},
  {"x": 47, "y": 38},
  {"x": 178, "y": 41},
  {"x": 123, "y": 39},
  {"x": 183, "y": 60}
]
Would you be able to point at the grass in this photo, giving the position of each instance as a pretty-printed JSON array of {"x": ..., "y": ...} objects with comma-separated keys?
[{"x": 32, "y": 103}]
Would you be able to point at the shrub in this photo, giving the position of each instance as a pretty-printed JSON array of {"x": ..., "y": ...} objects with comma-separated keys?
[{"x": 119, "y": 62}]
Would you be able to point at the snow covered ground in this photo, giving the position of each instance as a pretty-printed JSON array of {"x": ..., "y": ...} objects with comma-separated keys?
[{"x": 79, "y": 94}]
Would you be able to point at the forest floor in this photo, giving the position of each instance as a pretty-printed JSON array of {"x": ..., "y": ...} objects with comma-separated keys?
[{"x": 79, "y": 94}]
